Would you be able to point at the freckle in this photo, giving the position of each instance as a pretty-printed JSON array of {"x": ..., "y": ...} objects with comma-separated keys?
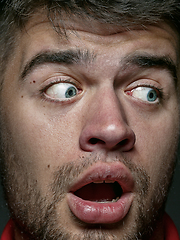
[
  {"x": 48, "y": 166},
  {"x": 30, "y": 82},
  {"x": 22, "y": 96}
]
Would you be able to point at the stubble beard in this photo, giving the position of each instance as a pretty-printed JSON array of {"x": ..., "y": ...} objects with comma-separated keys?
[{"x": 38, "y": 218}]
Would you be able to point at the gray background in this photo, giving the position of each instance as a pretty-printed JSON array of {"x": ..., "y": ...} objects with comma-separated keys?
[{"x": 173, "y": 204}]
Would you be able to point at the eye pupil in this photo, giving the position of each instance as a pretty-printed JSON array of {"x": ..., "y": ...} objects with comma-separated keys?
[
  {"x": 71, "y": 92},
  {"x": 152, "y": 95}
]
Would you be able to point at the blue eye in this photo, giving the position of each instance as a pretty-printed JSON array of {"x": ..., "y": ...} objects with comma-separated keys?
[
  {"x": 62, "y": 90},
  {"x": 71, "y": 92},
  {"x": 145, "y": 94},
  {"x": 152, "y": 95}
]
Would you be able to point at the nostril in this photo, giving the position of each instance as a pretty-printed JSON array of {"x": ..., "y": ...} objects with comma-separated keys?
[
  {"x": 114, "y": 146},
  {"x": 123, "y": 142},
  {"x": 125, "y": 145},
  {"x": 94, "y": 141},
  {"x": 118, "y": 139}
]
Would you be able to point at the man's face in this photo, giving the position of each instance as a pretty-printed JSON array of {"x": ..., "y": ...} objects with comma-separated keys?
[{"x": 89, "y": 129}]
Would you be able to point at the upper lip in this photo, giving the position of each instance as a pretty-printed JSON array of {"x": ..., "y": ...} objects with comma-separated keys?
[{"x": 116, "y": 171}]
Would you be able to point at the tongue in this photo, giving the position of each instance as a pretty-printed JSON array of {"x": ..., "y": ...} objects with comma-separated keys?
[{"x": 98, "y": 192}]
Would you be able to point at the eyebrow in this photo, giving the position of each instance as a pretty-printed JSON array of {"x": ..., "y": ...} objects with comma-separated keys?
[
  {"x": 67, "y": 57},
  {"x": 153, "y": 61},
  {"x": 78, "y": 56}
]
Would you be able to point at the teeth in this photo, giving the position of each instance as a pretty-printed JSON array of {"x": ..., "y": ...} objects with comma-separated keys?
[
  {"x": 106, "y": 181},
  {"x": 109, "y": 181},
  {"x": 97, "y": 182},
  {"x": 115, "y": 200}
]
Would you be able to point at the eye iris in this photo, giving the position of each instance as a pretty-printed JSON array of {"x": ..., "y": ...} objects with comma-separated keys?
[
  {"x": 152, "y": 95},
  {"x": 71, "y": 92}
]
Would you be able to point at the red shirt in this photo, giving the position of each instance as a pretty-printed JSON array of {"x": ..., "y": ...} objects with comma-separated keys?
[{"x": 171, "y": 232}]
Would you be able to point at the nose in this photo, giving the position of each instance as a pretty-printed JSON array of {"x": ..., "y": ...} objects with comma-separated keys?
[{"x": 106, "y": 125}]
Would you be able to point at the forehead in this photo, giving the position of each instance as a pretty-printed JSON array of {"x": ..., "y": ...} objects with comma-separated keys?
[{"x": 106, "y": 40}]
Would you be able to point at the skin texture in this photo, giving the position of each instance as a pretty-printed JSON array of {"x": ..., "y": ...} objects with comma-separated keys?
[{"x": 50, "y": 142}]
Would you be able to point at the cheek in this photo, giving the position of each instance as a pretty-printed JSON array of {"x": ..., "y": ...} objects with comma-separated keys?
[
  {"x": 157, "y": 144},
  {"x": 43, "y": 143},
  {"x": 49, "y": 141}
]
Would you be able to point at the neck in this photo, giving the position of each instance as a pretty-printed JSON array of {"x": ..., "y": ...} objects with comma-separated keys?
[
  {"x": 159, "y": 233},
  {"x": 19, "y": 235}
]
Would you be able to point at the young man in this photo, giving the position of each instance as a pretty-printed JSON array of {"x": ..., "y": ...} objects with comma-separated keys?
[{"x": 89, "y": 118}]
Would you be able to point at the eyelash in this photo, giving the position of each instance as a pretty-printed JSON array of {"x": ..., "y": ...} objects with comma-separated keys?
[
  {"x": 43, "y": 90},
  {"x": 159, "y": 90},
  {"x": 68, "y": 80},
  {"x": 59, "y": 80}
]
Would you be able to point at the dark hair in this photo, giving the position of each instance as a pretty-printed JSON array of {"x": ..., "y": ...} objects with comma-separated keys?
[
  {"x": 16, "y": 13},
  {"x": 120, "y": 11}
]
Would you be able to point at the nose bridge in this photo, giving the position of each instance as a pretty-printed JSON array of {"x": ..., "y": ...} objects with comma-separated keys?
[
  {"x": 106, "y": 110},
  {"x": 106, "y": 124}
]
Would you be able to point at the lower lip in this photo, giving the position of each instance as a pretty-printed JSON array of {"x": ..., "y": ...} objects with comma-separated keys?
[{"x": 100, "y": 213}]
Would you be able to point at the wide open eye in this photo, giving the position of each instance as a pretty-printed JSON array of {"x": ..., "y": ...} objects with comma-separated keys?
[
  {"x": 62, "y": 90},
  {"x": 146, "y": 94}
]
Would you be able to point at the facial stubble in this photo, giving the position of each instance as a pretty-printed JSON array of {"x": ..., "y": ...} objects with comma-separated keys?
[{"x": 37, "y": 215}]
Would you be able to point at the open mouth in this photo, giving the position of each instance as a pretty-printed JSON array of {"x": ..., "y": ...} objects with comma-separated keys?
[
  {"x": 103, "y": 194},
  {"x": 100, "y": 191}
]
